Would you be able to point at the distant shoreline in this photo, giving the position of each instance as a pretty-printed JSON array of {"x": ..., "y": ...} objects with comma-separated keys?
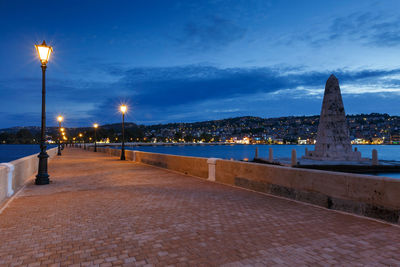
[{"x": 217, "y": 143}]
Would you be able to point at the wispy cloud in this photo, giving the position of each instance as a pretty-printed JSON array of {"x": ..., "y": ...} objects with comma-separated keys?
[{"x": 368, "y": 28}]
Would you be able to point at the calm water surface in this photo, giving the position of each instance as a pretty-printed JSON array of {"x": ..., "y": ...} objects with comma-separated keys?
[
  {"x": 239, "y": 152},
  {"x": 13, "y": 152}
]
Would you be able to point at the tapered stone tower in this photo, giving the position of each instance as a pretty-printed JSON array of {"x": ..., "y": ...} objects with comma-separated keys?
[{"x": 333, "y": 139}]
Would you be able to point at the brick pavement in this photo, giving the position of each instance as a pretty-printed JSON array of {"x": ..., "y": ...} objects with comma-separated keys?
[{"x": 104, "y": 212}]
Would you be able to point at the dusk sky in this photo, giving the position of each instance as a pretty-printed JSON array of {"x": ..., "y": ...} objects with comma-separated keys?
[{"x": 185, "y": 61}]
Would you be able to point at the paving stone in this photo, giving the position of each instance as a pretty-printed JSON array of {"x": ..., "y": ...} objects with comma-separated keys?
[{"x": 100, "y": 211}]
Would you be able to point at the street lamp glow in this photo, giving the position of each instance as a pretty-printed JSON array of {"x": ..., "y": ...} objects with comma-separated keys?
[
  {"x": 60, "y": 118},
  {"x": 44, "y": 52},
  {"x": 95, "y": 125},
  {"x": 62, "y": 129},
  {"x": 80, "y": 135},
  {"x": 123, "y": 108}
]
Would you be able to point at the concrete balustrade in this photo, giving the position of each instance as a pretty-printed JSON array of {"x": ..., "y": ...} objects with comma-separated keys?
[
  {"x": 187, "y": 165},
  {"x": 376, "y": 197},
  {"x": 14, "y": 174},
  {"x": 3, "y": 182}
]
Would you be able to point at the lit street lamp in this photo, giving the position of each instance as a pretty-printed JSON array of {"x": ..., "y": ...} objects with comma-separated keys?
[
  {"x": 42, "y": 177},
  {"x": 63, "y": 133},
  {"x": 123, "y": 109},
  {"x": 95, "y": 144},
  {"x": 80, "y": 137},
  {"x": 59, "y": 119}
]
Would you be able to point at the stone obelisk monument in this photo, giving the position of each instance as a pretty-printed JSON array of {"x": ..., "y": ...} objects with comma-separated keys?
[{"x": 333, "y": 138}]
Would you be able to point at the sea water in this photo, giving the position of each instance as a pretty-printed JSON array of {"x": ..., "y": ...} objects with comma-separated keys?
[{"x": 13, "y": 152}]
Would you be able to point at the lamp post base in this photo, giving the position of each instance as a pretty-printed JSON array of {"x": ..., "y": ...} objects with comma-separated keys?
[{"x": 42, "y": 177}]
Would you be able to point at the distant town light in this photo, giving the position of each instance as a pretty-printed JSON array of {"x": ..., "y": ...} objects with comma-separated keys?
[
  {"x": 123, "y": 108},
  {"x": 44, "y": 52},
  {"x": 95, "y": 125}
]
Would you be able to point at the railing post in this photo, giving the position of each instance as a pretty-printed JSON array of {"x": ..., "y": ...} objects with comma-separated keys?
[
  {"x": 375, "y": 157},
  {"x": 294, "y": 157},
  {"x": 211, "y": 168},
  {"x": 10, "y": 171}
]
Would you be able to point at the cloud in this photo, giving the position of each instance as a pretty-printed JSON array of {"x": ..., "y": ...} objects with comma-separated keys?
[
  {"x": 367, "y": 28},
  {"x": 193, "y": 92},
  {"x": 212, "y": 33},
  {"x": 190, "y": 92}
]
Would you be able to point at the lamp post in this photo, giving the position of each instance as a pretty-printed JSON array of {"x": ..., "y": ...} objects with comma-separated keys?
[
  {"x": 42, "y": 177},
  {"x": 95, "y": 144},
  {"x": 59, "y": 119},
  {"x": 123, "y": 109},
  {"x": 80, "y": 143},
  {"x": 63, "y": 135}
]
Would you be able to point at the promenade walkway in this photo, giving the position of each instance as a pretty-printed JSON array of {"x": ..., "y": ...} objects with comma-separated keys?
[{"x": 102, "y": 211}]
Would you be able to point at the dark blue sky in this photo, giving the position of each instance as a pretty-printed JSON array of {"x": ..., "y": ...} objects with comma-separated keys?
[{"x": 182, "y": 61}]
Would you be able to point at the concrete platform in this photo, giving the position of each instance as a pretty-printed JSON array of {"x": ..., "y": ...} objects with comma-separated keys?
[{"x": 105, "y": 212}]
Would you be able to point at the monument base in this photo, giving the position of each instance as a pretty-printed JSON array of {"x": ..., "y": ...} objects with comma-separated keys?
[{"x": 352, "y": 156}]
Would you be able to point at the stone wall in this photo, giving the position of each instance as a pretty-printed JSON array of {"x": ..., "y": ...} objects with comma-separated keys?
[
  {"x": 187, "y": 165},
  {"x": 376, "y": 197},
  {"x": 371, "y": 196},
  {"x": 19, "y": 171}
]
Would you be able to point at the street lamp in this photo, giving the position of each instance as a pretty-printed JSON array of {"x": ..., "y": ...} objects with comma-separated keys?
[
  {"x": 80, "y": 135},
  {"x": 95, "y": 145},
  {"x": 63, "y": 133},
  {"x": 42, "y": 177},
  {"x": 59, "y": 119},
  {"x": 123, "y": 109}
]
